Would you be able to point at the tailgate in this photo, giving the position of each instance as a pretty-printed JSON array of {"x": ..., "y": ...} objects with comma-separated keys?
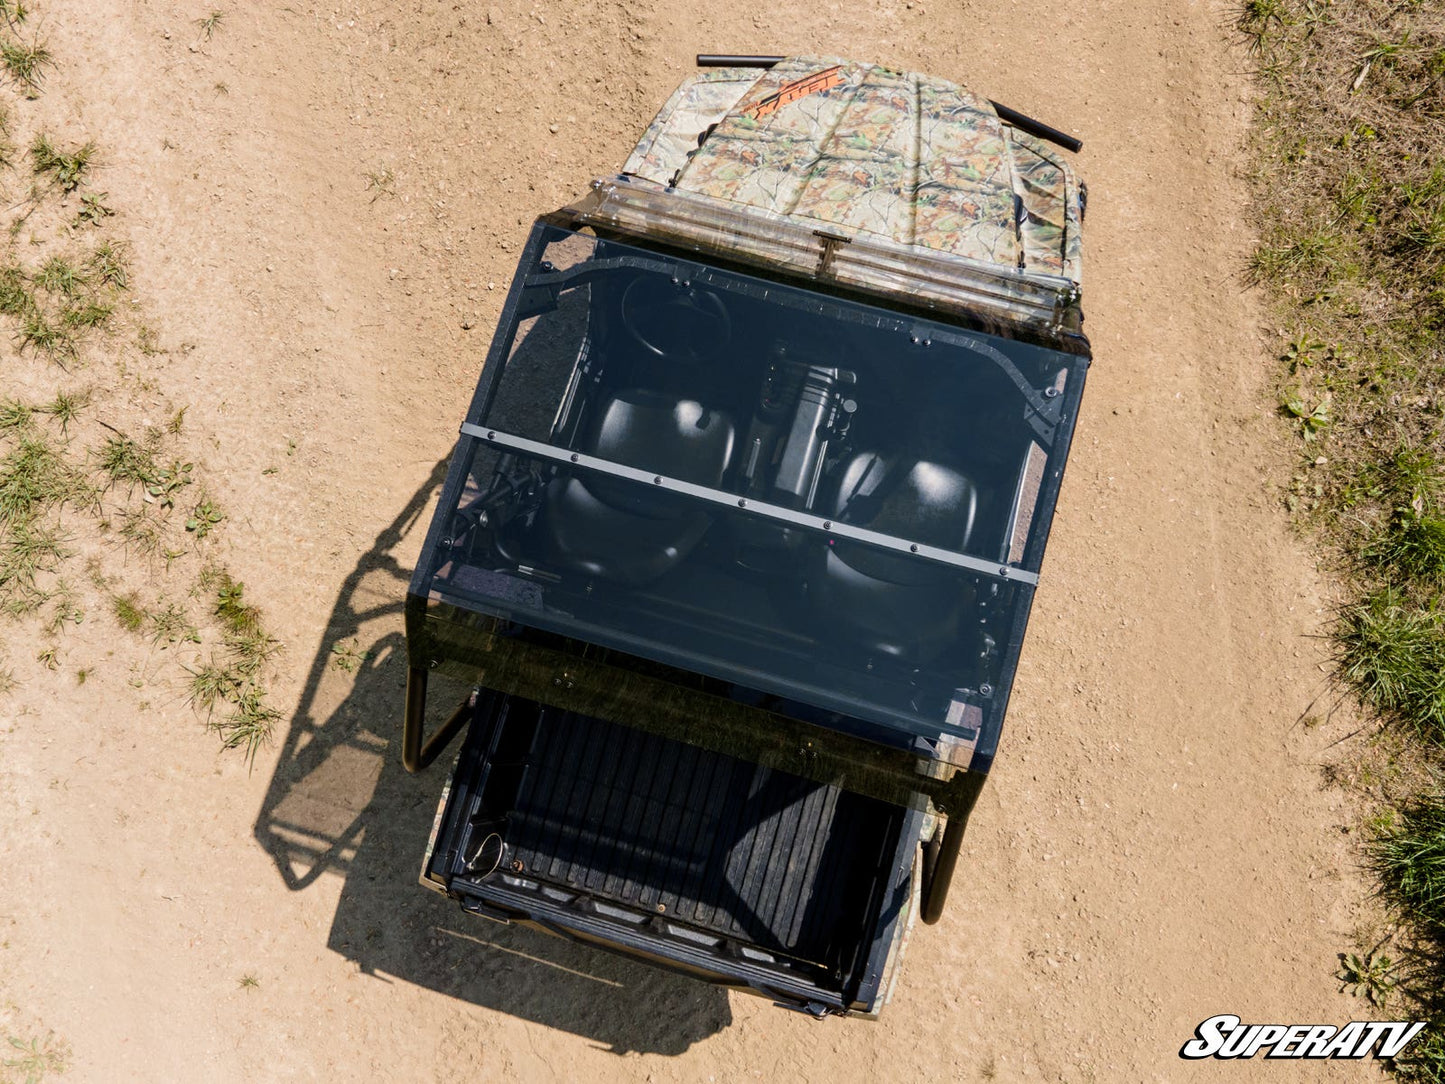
[{"x": 701, "y": 861}]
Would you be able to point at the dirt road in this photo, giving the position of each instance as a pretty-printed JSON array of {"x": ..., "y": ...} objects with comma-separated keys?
[{"x": 324, "y": 204}]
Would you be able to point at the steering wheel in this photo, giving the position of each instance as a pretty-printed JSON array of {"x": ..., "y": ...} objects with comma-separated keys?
[{"x": 675, "y": 320}]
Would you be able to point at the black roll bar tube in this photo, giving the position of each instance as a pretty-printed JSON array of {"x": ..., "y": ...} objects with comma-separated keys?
[
  {"x": 1019, "y": 120},
  {"x": 417, "y": 750},
  {"x": 940, "y": 856}
]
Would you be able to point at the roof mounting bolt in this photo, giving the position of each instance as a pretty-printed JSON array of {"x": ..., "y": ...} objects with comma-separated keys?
[
  {"x": 913, "y": 548},
  {"x": 1051, "y": 393},
  {"x": 742, "y": 504},
  {"x": 913, "y": 339},
  {"x": 492, "y": 435},
  {"x": 986, "y": 689},
  {"x": 827, "y": 525},
  {"x": 657, "y": 481},
  {"x": 1003, "y": 571},
  {"x": 676, "y": 280},
  {"x": 687, "y": 283},
  {"x": 574, "y": 457},
  {"x": 927, "y": 342}
]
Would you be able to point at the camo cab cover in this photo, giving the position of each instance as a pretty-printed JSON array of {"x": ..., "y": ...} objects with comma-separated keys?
[{"x": 862, "y": 149}]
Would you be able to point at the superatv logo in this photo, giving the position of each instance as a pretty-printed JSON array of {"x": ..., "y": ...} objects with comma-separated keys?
[{"x": 1225, "y": 1037}]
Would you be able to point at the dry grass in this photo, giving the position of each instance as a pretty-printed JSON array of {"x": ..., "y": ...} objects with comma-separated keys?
[
  {"x": 79, "y": 468},
  {"x": 1350, "y": 208}
]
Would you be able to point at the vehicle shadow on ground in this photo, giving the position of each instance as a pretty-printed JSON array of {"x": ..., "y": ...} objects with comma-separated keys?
[{"x": 341, "y": 803}]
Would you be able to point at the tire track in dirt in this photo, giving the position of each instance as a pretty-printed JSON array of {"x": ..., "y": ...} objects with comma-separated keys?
[{"x": 1154, "y": 846}]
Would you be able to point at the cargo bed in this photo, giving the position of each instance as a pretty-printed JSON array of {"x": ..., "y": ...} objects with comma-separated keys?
[{"x": 723, "y": 868}]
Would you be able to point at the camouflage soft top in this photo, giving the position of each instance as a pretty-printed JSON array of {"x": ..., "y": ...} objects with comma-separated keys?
[{"x": 862, "y": 149}]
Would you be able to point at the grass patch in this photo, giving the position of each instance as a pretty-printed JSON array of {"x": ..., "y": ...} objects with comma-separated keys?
[
  {"x": 15, "y": 415},
  {"x": 60, "y": 276},
  {"x": 1350, "y": 211},
  {"x": 27, "y": 551},
  {"x": 1410, "y": 860},
  {"x": 107, "y": 264},
  {"x": 228, "y": 686},
  {"x": 128, "y": 612},
  {"x": 86, "y": 314},
  {"x": 15, "y": 298},
  {"x": 140, "y": 531},
  {"x": 66, "y": 407},
  {"x": 25, "y": 63},
  {"x": 66, "y": 168},
  {"x": 1413, "y": 548},
  {"x": 45, "y": 336},
  {"x": 1394, "y": 653},
  {"x": 171, "y": 625},
  {"x": 129, "y": 489},
  {"x": 35, "y": 478},
  {"x": 64, "y": 610},
  {"x": 128, "y": 462}
]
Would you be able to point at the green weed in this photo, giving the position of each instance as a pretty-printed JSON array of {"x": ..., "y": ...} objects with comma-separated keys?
[
  {"x": 237, "y": 617},
  {"x": 347, "y": 656},
  {"x": 209, "y": 24},
  {"x": 38, "y": 1057},
  {"x": 203, "y": 518},
  {"x": 1371, "y": 976},
  {"x": 163, "y": 484},
  {"x": 93, "y": 209}
]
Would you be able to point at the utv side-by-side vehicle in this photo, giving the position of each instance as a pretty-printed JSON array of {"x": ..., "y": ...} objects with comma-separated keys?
[{"x": 740, "y": 536}]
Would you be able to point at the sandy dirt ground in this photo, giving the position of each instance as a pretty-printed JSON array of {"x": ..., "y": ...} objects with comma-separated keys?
[{"x": 1156, "y": 844}]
